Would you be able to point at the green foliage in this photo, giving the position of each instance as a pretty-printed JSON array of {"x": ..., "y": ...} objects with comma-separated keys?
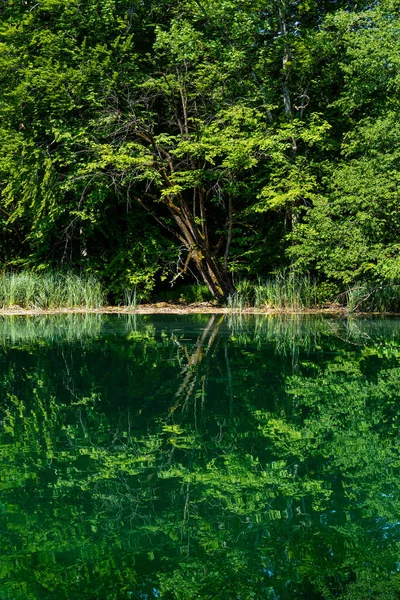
[
  {"x": 60, "y": 65},
  {"x": 187, "y": 294},
  {"x": 351, "y": 234},
  {"x": 374, "y": 298}
]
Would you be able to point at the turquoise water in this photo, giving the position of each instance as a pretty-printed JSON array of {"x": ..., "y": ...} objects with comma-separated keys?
[{"x": 200, "y": 456}]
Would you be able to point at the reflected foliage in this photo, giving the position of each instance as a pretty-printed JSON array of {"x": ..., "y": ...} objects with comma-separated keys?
[{"x": 200, "y": 457}]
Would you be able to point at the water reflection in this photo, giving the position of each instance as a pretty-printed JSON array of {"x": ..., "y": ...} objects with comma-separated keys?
[{"x": 199, "y": 457}]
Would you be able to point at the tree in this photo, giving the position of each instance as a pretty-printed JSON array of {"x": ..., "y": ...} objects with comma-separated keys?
[{"x": 351, "y": 234}]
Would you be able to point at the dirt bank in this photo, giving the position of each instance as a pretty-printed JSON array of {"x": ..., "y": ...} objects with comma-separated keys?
[{"x": 168, "y": 308}]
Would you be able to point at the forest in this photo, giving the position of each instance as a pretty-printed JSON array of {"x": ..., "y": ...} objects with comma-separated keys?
[{"x": 156, "y": 143}]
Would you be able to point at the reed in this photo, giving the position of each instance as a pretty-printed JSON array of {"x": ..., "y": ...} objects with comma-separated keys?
[
  {"x": 50, "y": 290},
  {"x": 131, "y": 298},
  {"x": 285, "y": 291}
]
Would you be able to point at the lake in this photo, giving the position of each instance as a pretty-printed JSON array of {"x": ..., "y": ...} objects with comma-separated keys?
[{"x": 199, "y": 457}]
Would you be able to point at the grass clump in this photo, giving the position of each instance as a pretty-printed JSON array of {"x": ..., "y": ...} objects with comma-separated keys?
[
  {"x": 50, "y": 290},
  {"x": 286, "y": 291},
  {"x": 131, "y": 297}
]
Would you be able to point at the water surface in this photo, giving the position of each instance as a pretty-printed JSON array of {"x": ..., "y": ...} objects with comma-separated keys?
[{"x": 210, "y": 457}]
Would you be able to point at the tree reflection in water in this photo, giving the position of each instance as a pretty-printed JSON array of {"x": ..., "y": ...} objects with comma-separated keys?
[{"x": 200, "y": 457}]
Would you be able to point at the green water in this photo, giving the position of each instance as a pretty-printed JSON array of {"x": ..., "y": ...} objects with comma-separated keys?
[{"x": 199, "y": 457}]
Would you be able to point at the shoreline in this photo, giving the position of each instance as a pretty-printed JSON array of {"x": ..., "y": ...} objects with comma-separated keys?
[{"x": 177, "y": 309}]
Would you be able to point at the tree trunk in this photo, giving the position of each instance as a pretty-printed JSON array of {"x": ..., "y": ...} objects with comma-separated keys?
[
  {"x": 285, "y": 61},
  {"x": 192, "y": 232},
  {"x": 211, "y": 270}
]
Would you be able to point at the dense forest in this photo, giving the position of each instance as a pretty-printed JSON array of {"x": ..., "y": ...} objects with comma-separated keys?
[{"x": 158, "y": 142}]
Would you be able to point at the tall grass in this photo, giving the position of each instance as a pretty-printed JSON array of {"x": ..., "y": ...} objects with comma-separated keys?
[
  {"x": 289, "y": 291},
  {"x": 131, "y": 297},
  {"x": 50, "y": 290},
  {"x": 286, "y": 291},
  {"x": 244, "y": 296}
]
